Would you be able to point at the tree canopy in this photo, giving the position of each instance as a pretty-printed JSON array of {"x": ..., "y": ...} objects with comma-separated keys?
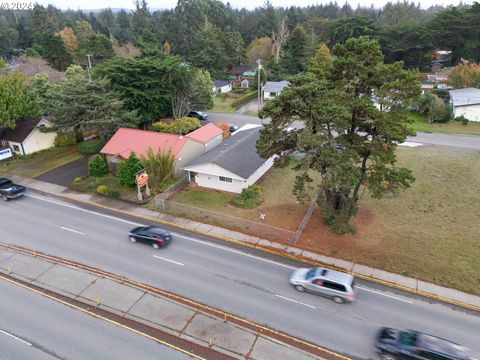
[{"x": 354, "y": 116}]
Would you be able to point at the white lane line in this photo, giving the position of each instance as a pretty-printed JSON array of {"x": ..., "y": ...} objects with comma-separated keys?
[
  {"x": 84, "y": 210},
  {"x": 389, "y": 296},
  {"x": 234, "y": 251},
  {"x": 175, "y": 234},
  {"x": 295, "y": 301},
  {"x": 16, "y": 338},
  {"x": 175, "y": 262},
  {"x": 74, "y": 231}
]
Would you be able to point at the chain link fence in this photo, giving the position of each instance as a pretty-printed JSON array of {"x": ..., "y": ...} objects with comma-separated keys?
[{"x": 249, "y": 227}]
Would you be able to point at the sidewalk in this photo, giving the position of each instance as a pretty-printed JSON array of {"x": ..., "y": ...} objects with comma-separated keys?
[
  {"x": 380, "y": 276},
  {"x": 131, "y": 302}
]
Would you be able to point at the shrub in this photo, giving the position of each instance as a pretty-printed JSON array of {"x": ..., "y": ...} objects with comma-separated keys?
[
  {"x": 90, "y": 147},
  {"x": 77, "y": 181},
  {"x": 244, "y": 99},
  {"x": 464, "y": 121},
  {"x": 65, "y": 139},
  {"x": 127, "y": 169},
  {"x": 225, "y": 128},
  {"x": 249, "y": 198},
  {"x": 102, "y": 189},
  {"x": 160, "y": 166},
  {"x": 97, "y": 166},
  {"x": 179, "y": 126},
  {"x": 112, "y": 193}
]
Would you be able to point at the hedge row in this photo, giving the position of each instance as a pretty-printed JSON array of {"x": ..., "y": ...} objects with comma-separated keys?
[{"x": 244, "y": 99}]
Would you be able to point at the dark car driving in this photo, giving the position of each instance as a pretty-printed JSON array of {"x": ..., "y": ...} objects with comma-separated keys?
[
  {"x": 9, "y": 190},
  {"x": 199, "y": 115},
  {"x": 151, "y": 235},
  {"x": 396, "y": 345}
]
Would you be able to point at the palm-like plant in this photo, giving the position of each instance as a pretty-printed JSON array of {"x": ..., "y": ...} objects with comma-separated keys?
[{"x": 160, "y": 166}]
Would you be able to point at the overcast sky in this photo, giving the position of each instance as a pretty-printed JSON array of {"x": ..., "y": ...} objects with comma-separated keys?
[{"x": 250, "y": 4}]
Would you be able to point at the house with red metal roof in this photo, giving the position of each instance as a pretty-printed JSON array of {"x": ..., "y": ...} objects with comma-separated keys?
[{"x": 184, "y": 148}]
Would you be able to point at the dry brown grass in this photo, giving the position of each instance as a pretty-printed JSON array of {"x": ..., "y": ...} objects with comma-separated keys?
[{"x": 431, "y": 231}]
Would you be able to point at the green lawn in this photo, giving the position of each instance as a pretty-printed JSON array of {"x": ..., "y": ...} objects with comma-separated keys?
[
  {"x": 223, "y": 103},
  {"x": 36, "y": 164},
  {"x": 420, "y": 124}
]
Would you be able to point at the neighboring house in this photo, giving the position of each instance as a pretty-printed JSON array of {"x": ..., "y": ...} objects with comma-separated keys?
[
  {"x": 27, "y": 138},
  {"x": 271, "y": 89},
  {"x": 222, "y": 86},
  {"x": 183, "y": 148},
  {"x": 245, "y": 84},
  {"x": 238, "y": 71},
  {"x": 466, "y": 103},
  {"x": 233, "y": 165}
]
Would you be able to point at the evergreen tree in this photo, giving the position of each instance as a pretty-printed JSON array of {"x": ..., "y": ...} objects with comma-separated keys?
[
  {"x": 127, "y": 169},
  {"x": 83, "y": 104}
]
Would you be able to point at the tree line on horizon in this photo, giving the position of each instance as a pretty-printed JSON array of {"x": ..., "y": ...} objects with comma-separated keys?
[{"x": 214, "y": 36}]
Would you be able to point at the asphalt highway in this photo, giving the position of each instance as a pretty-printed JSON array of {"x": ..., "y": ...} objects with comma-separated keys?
[
  {"x": 34, "y": 327},
  {"x": 241, "y": 281}
]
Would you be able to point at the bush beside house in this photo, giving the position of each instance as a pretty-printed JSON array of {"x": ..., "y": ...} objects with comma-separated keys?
[
  {"x": 97, "y": 166},
  {"x": 127, "y": 169},
  {"x": 249, "y": 198},
  {"x": 179, "y": 126}
]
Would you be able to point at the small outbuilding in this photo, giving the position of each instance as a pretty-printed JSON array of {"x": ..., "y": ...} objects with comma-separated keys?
[{"x": 223, "y": 86}]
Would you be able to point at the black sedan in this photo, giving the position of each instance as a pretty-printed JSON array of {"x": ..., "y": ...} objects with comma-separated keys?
[
  {"x": 152, "y": 235},
  {"x": 199, "y": 115}
]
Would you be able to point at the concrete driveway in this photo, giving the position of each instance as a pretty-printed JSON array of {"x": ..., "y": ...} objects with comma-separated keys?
[{"x": 64, "y": 175}]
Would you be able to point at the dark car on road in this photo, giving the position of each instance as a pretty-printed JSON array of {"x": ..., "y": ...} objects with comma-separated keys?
[
  {"x": 152, "y": 235},
  {"x": 398, "y": 345},
  {"x": 199, "y": 115},
  {"x": 9, "y": 190},
  {"x": 232, "y": 128}
]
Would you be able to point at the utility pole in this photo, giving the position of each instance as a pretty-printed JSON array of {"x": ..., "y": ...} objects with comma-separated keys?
[
  {"x": 259, "y": 62},
  {"x": 89, "y": 65}
]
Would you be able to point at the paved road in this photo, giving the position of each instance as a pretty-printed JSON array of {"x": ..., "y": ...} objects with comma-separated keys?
[
  {"x": 65, "y": 174},
  {"x": 470, "y": 142},
  {"x": 34, "y": 327},
  {"x": 237, "y": 280}
]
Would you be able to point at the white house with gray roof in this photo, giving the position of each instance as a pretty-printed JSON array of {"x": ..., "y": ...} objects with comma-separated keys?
[
  {"x": 233, "y": 165},
  {"x": 272, "y": 89},
  {"x": 466, "y": 103}
]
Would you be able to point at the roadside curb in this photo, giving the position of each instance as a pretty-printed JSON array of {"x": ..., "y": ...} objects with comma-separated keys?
[{"x": 296, "y": 257}]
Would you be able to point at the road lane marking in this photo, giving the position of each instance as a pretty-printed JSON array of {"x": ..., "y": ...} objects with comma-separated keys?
[
  {"x": 234, "y": 251},
  {"x": 175, "y": 262},
  {"x": 84, "y": 210},
  {"x": 15, "y": 337},
  {"x": 389, "y": 296},
  {"x": 295, "y": 301},
  {"x": 74, "y": 231},
  {"x": 176, "y": 234}
]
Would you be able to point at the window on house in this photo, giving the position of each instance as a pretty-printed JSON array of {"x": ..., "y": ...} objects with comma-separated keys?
[
  {"x": 225, "y": 179},
  {"x": 16, "y": 148},
  {"x": 273, "y": 94}
]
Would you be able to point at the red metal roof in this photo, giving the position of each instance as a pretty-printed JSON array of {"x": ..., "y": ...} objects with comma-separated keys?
[
  {"x": 205, "y": 133},
  {"x": 126, "y": 141}
]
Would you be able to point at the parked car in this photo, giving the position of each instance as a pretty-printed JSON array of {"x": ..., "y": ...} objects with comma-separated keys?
[
  {"x": 152, "y": 235},
  {"x": 9, "y": 190},
  {"x": 232, "y": 128},
  {"x": 330, "y": 283},
  {"x": 199, "y": 115},
  {"x": 395, "y": 345}
]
